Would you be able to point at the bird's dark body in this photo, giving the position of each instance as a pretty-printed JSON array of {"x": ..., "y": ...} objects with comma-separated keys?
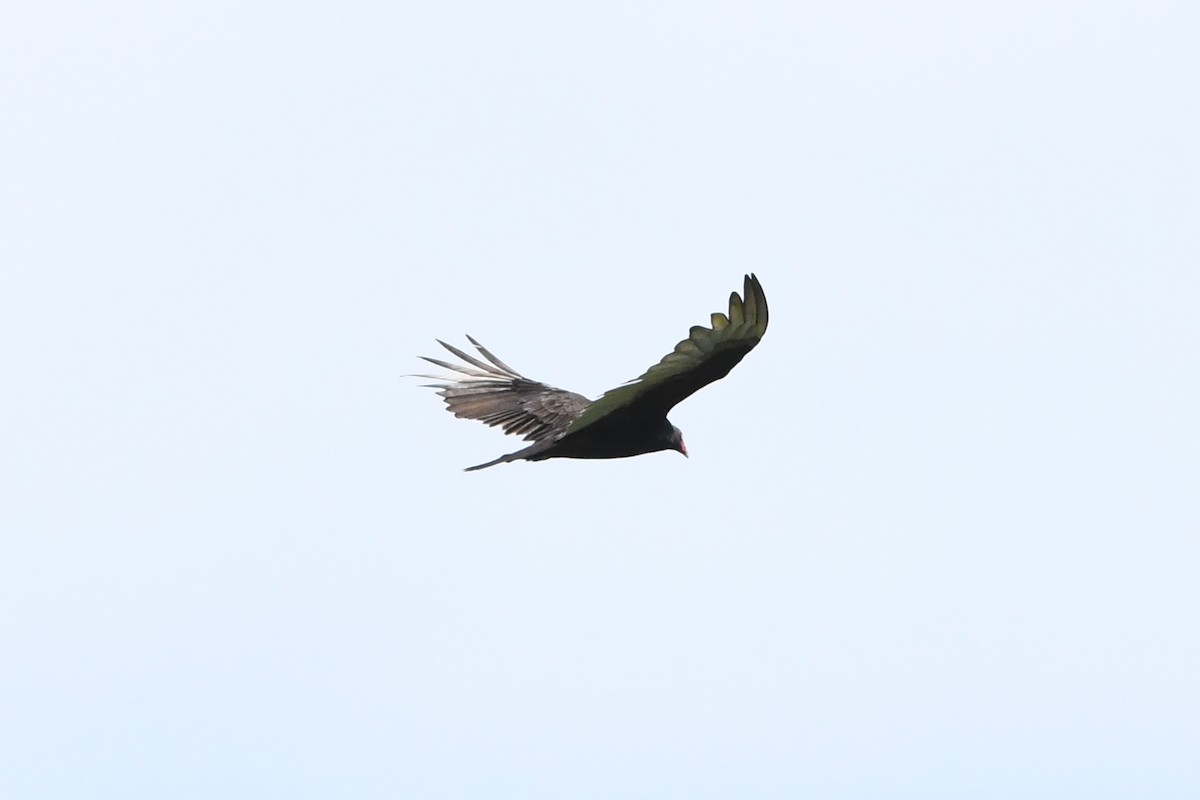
[
  {"x": 613, "y": 438},
  {"x": 627, "y": 421}
]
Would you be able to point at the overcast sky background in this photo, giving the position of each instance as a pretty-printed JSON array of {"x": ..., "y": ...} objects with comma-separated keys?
[{"x": 939, "y": 535}]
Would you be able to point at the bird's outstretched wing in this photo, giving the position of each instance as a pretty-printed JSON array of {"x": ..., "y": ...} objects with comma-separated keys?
[
  {"x": 496, "y": 394},
  {"x": 705, "y": 356}
]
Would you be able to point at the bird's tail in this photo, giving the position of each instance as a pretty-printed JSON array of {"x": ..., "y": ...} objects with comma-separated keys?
[
  {"x": 492, "y": 463},
  {"x": 524, "y": 454}
]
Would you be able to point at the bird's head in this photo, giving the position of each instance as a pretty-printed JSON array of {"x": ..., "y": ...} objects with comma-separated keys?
[{"x": 677, "y": 441}]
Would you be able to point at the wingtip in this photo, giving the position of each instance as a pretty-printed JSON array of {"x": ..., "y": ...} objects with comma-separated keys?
[
  {"x": 756, "y": 302},
  {"x": 764, "y": 314}
]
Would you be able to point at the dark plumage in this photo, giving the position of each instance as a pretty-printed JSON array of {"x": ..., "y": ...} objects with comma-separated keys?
[{"x": 626, "y": 421}]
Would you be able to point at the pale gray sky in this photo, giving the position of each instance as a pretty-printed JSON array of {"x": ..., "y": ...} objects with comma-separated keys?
[{"x": 939, "y": 536}]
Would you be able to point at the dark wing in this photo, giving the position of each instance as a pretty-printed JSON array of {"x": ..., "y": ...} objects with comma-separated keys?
[
  {"x": 497, "y": 394},
  {"x": 705, "y": 356}
]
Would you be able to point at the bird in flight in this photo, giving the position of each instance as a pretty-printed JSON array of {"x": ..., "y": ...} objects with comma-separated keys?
[{"x": 626, "y": 421}]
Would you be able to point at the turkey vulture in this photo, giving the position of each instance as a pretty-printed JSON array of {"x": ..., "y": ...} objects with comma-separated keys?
[{"x": 626, "y": 421}]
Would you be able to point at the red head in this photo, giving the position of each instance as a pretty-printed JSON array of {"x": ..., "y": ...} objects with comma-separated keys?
[{"x": 677, "y": 441}]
